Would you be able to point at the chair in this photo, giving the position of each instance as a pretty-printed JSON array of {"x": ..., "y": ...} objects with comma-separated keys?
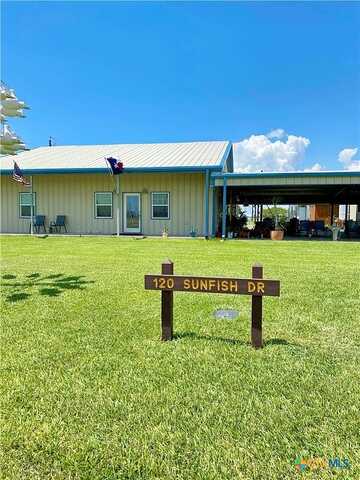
[
  {"x": 352, "y": 229},
  {"x": 319, "y": 227},
  {"x": 304, "y": 227},
  {"x": 38, "y": 222},
  {"x": 58, "y": 224}
]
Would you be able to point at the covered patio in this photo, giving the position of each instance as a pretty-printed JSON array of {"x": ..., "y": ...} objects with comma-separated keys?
[{"x": 231, "y": 191}]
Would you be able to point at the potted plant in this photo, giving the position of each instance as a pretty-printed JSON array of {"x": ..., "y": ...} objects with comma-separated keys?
[
  {"x": 278, "y": 216},
  {"x": 277, "y": 234},
  {"x": 165, "y": 232}
]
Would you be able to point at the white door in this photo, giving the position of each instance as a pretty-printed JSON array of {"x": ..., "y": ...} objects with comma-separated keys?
[{"x": 132, "y": 213}]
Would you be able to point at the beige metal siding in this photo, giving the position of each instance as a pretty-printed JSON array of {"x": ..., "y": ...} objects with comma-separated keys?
[
  {"x": 73, "y": 196},
  {"x": 186, "y": 200}
]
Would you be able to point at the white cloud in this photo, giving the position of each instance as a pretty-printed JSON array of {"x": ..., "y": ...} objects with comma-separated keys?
[
  {"x": 276, "y": 133},
  {"x": 315, "y": 168},
  {"x": 346, "y": 158},
  {"x": 259, "y": 153}
]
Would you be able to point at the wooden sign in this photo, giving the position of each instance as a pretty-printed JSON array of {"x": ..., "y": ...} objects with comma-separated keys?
[
  {"x": 257, "y": 287},
  {"x": 238, "y": 286}
]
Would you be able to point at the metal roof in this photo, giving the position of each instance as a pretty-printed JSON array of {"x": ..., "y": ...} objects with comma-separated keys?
[
  {"x": 322, "y": 173},
  {"x": 337, "y": 177},
  {"x": 135, "y": 157}
]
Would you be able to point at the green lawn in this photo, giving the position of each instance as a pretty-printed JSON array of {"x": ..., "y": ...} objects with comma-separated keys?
[{"x": 89, "y": 391}]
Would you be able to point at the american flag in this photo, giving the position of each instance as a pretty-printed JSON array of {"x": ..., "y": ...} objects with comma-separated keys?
[{"x": 19, "y": 177}]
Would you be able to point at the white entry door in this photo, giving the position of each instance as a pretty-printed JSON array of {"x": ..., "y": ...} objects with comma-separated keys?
[{"x": 132, "y": 213}]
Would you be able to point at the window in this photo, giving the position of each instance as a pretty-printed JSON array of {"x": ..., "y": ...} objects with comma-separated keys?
[
  {"x": 25, "y": 204},
  {"x": 160, "y": 205},
  {"x": 103, "y": 204}
]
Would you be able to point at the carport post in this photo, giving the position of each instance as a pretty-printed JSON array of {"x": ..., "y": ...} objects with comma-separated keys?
[
  {"x": 332, "y": 214},
  {"x": 31, "y": 207},
  {"x": 223, "y": 225},
  {"x": 206, "y": 201},
  {"x": 214, "y": 222},
  {"x": 118, "y": 205}
]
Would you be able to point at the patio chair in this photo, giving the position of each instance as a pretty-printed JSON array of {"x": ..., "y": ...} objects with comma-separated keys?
[
  {"x": 38, "y": 223},
  {"x": 58, "y": 224},
  {"x": 319, "y": 227},
  {"x": 293, "y": 227},
  {"x": 352, "y": 229},
  {"x": 304, "y": 227}
]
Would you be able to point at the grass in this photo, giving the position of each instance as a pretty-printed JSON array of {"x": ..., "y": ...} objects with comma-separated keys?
[{"x": 89, "y": 391}]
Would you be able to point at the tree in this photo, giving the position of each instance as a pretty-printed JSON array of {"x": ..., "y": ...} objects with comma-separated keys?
[
  {"x": 11, "y": 106},
  {"x": 278, "y": 214}
]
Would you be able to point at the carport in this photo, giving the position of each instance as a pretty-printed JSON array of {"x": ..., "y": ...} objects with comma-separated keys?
[{"x": 258, "y": 189}]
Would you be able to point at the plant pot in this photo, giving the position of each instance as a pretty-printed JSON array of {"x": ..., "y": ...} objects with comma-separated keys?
[
  {"x": 277, "y": 234},
  {"x": 165, "y": 235}
]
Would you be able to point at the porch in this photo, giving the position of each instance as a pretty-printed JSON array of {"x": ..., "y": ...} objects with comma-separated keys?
[{"x": 236, "y": 196}]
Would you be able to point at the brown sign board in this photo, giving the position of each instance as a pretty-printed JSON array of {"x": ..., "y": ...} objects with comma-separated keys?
[
  {"x": 257, "y": 287},
  {"x": 239, "y": 286}
]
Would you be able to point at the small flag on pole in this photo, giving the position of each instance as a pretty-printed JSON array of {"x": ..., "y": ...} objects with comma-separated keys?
[
  {"x": 117, "y": 167},
  {"x": 19, "y": 177}
]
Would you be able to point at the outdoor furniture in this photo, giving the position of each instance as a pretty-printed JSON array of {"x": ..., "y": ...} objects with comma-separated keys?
[
  {"x": 58, "y": 224},
  {"x": 244, "y": 233},
  {"x": 292, "y": 227},
  {"x": 304, "y": 228},
  {"x": 319, "y": 225},
  {"x": 320, "y": 229},
  {"x": 352, "y": 229},
  {"x": 38, "y": 223},
  {"x": 262, "y": 229},
  {"x": 257, "y": 231},
  {"x": 268, "y": 224}
]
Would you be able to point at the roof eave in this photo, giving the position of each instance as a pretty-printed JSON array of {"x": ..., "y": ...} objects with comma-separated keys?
[
  {"x": 66, "y": 171},
  {"x": 336, "y": 173}
]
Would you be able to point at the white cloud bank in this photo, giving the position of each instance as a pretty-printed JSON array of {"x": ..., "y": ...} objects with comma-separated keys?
[
  {"x": 346, "y": 158},
  {"x": 276, "y": 133},
  {"x": 268, "y": 153},
  {"x": 315, "y": 168},
  {"x": 279, "y": 152}
]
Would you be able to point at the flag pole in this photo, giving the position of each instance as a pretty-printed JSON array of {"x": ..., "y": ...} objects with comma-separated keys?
[
  {"x": 32, "y": 206},
  {"x": 118, "y": 205}
]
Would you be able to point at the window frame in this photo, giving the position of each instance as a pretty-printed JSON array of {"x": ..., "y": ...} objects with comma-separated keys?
[
  {"x": 21, "y": 205},
  {"x": 158, "y": 205},
  {"x": 103, "y": 205}
]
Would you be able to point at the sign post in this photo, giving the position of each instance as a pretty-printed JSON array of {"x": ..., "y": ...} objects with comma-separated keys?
[
  {"x": 167, "y": 268},
  {"x": 256, "y": 311},
  {"x": 256, "y": 286}
]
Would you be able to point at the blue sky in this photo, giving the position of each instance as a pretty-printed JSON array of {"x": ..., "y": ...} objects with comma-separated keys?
[{"x": 158, "y": 72}]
